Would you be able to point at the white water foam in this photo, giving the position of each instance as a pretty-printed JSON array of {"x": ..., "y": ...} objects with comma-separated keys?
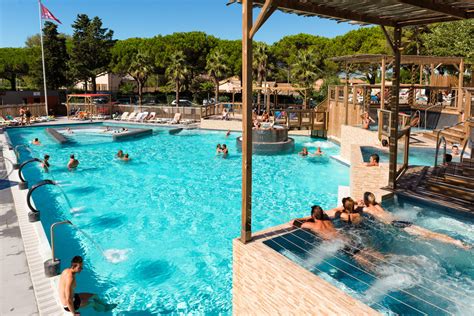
[
  {"x": 75, "y": 210},
  {"x": 319, "y": 144},
  {"x": 318, "y": 254},
  {"x": 116, "y": 255}
]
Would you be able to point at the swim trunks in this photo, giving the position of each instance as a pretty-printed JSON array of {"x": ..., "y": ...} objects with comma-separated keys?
[{"x": 76, "y": 301}]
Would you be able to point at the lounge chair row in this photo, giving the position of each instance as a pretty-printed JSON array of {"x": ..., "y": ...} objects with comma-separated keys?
[
  {"x": 146, "y": 117},
  {"x": 8, "y": 120}
]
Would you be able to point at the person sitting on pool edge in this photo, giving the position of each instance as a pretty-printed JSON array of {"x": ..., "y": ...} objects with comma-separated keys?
[
  {"x": 304, "y": 152},
  {"x": 225, "y": 151},
  {"x": 73, "y": 301},
  {"x": 73, "y": 163},
  {"x": 36, "y": 142},
  {"x": 45, "y": 163},
  {"x": 371, "y": 207},
  {"x": 373, "y": 161},
  {"x": 119, "y": 154}
]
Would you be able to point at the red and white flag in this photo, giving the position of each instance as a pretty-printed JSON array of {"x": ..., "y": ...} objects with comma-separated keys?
[{"x": 47, "y": 15}]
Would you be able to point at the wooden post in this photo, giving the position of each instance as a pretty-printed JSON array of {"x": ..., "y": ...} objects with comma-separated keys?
[
  {"x": 392, "y": 176},
  {"x": 382, "y": 84},
  {"x": 460, "y": 91},
  {"x": 246, "y": 229},
  {"x": 421, "y": 74}
]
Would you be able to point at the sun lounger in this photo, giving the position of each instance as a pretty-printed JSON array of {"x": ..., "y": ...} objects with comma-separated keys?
[
  {"x": 176, "y": 119},
  {"x": 4, "y": 122},
  {"x": 140, "y": 117},
  {"x": 121, "y": 117},
  {"x": 150, "y": 117},
  {"x": 132, "y": 116}
]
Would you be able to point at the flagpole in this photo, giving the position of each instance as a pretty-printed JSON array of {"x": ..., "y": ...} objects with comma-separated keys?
[{"x": 42, "y": 59}]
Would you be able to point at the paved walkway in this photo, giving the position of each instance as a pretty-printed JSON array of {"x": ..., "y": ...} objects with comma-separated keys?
[{"x": 16, "y": 290}]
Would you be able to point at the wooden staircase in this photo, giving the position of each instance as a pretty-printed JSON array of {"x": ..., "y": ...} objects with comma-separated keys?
[
  {"x": 453, "y": 135},
  {"x": 453, "y": 183}
]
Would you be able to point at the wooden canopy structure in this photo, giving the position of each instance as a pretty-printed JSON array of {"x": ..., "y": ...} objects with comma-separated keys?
[
  {"x": 393, "y": 13},
  {"x": 87, "y": 101}
]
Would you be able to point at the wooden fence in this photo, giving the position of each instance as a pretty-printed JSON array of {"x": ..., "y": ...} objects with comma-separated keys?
[{"x": 36, "y": 109}]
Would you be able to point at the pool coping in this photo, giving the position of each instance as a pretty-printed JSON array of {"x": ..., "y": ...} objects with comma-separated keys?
[{"x": 36, "y": 246}]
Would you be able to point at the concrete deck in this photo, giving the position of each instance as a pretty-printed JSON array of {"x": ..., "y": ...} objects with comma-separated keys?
[{"x": 16, "y": 289}]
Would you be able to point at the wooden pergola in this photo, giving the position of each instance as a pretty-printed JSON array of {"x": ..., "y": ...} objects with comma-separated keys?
[
  {"x": 386, "y": 13},
  {"x": 421, "y": 61},
  {"x": 87, "y": 101}
]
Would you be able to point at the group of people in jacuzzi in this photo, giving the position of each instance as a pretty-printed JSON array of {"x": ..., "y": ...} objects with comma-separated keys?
[{"x": 354, "y": 213}]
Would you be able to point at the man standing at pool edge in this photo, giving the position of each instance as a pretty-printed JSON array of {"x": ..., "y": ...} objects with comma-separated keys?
[{"x": 73, "y": 301}]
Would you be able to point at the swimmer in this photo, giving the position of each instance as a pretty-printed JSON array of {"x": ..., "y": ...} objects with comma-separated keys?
[
  {"x": 348, "y": 212},
  {"x": 319, "y": 223},
  {"x": 455, "y": 150},
  {"x": 45, "y": 163},
  {"x": 69, "y": 130},
  {"x": 73, "y": 163},
  {"x": 304, "y": 152},
  {"x": 36, "y": 142},
  {"x": 318, "y": 152},
  {"x": 73, "y": 301},
  {"x": 218, "y": 149},
  {"x": 227, "y": 134},
  {"x": 225, "y": 151},
  {"x": 373, "y": 161},
  {"x": 126, "y": 157},
  {"x": 120, "y": 154},
  {"x": 376, "y": 210}
]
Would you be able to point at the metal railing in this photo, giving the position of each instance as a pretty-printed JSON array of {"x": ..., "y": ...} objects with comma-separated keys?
[{"x": 438, "y": 133}]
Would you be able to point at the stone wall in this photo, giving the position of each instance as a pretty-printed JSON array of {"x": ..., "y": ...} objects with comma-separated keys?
[
  {"x": 267, "y": 283},
  {"x": 365, "y": 178},
  {"x": 356, "y": 135}
]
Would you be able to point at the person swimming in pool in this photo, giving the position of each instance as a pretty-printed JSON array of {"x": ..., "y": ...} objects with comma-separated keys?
[
  {"x": 348, "y": 212},
  {"x": 319, "y": 223},
  {"x": 304, "y": 152},
  {"x": 73, "y": 163},
  {"x": 218, "y": 149},
  {"x": 119, "y": 154},
  {"x": 69, "y": 130},
  {"x": 318, "y": 152},
  {"x": 45, "y": 163},
  {"x": 228, "y": 133},
  {"x": 36, "y": 142},
  {"x": 225, "y": 151},
  {"x": 373, "y": 161},
  {"x": 73, "y": 301},
  {"x": 126, "y": 157},
  {"x": 371, "y": 207}
]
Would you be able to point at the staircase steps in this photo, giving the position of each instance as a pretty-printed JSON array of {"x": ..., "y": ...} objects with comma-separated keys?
[
  {"x": 464, "y": 182},
  {"x": 452, "y": 138},
  {"x": 450, "y": 190}
]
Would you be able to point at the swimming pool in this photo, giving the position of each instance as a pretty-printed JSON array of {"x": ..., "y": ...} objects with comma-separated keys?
[
  {"x": 417, "y": 156},
  {"x": 165, "y": 220},
  {"x": 415, "y": 277}
]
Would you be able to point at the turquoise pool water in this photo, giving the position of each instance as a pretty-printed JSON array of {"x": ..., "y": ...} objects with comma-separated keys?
[
  {"x": 417, "y": 156},
  {"x": 165, "y": 220},
  {"x": 415, "y": 276}
]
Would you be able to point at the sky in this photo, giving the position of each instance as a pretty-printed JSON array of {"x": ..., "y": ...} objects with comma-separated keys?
[{"x": 147, "y": 18}]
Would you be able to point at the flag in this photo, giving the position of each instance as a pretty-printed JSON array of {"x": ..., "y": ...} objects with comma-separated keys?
[{"x": 47, "y": 15}]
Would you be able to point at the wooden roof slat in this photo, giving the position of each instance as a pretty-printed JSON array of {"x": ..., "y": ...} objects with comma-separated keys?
[
  {"x": 406, "y": 59},
  {"x": 380, "y": 12}
]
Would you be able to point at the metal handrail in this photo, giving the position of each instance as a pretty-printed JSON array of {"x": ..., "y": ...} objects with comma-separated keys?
[
  {"x": 438, "y": 139},
  {"x": 464, "y": 148},
  {"x": 438, "y": 143}
]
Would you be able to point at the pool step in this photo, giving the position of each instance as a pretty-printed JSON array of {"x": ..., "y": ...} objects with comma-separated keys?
[
  {"x": 461, "y": 181},
  {"x": 450, "y": 190}
]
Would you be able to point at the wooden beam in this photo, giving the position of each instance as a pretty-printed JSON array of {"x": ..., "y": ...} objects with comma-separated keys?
[
  {"x": 460, "y": 90},
  {"x": 267, "y": 10},
  {"x": 246, "y": 229},
  {"x": 329, "y": 11},
  {"x": 437, "y": 6},
  {"x": 393, "y": 139},
  {"x": 389, "y": 39},
  {"x": 422, "y": 21}
]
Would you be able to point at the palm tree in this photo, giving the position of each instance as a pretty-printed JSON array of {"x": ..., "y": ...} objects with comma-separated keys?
[
  {"x": 177, "y": 71},
  {"x": 216, "y": 69},
  {"x": 260, "y": 60},
  {"x": 306, "y": 71},
  {"x": 140, "y": 68}
]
